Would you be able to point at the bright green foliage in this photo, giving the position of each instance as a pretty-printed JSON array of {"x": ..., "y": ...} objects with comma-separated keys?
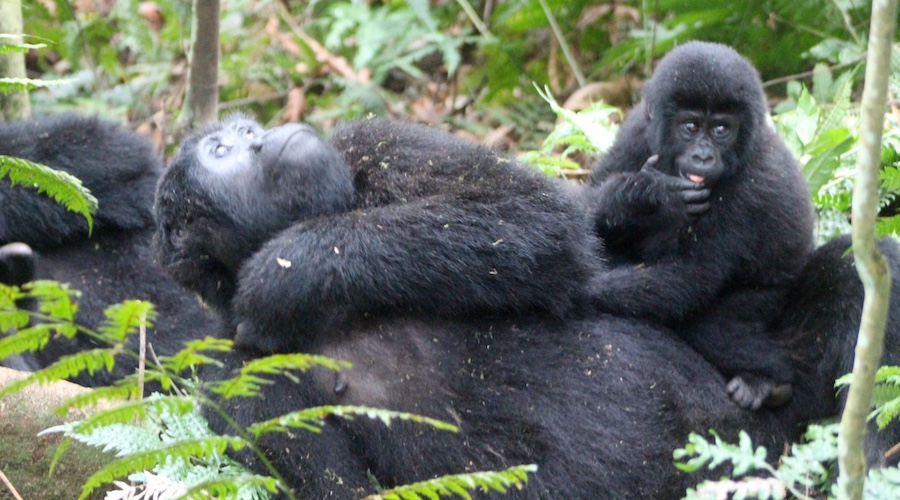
[
  {"x": 65, "y": 367},
  {"x": 191, "y": 354},
  {"x": 886, "y": 396},
  {"x": 805, "y": 472},
  {"x": 165, "y": 427},
  {"x": 589, "y": 132},
  {"x": 312, "y": 419},
  {"x": 460, "y": 485},
  {"x": 125, "y": 318},
  {"x": 248, "y": 381},
  {"x": 65, "y": 188},
  {"x": 200, "y": 448}
]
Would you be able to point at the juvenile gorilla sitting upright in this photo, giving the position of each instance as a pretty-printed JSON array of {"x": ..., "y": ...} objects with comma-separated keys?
[
  {"x": 291, "y": 235},
  {"x": 706, "y": 215}
]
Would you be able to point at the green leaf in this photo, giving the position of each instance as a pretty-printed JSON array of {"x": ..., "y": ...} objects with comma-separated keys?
[
  {"x": 196, "y": 448},
  {"x": 248, "y": 383},
  {"x": 125, "y": 318},
  {"x": 63, "y": 187},
  {"x": 461, "y": 484},
  {"x": 191, "y": 355},
  {"x": 312, "y": 419},
  {"x": 65, "y": 367}
]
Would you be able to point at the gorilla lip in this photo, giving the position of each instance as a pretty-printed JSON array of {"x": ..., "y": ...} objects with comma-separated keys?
[{"x": 696, "y": 178}]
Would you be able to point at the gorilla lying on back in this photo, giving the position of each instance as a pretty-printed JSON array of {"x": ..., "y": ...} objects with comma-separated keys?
[
  {"x": 291, "y": 235},
  {"x": 706, "y": 214},
  {"x": 598, "y": 403},
  {"x": 39, "y": 239}
]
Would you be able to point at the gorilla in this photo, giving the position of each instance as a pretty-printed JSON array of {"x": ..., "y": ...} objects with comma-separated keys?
[
  {"x": 819, "y": 322},
  {"x": 598, "y": 401},
  {"x": 39, "y": 239},
  {"x": 291, "y": 236},
  {"x": 706, "y": 217}
]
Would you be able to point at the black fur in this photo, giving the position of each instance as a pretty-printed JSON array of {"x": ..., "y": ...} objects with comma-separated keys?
[
  {"x": 292, "y": 235},
  {"x": 43, "y": 240},
  {"x": 579, "y": 397},
  {"x": 711, "y": 258},
  {"x": 820, "y": 322}
]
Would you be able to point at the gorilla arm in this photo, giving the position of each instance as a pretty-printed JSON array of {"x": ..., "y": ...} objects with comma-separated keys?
[{"x": 443, "y": 255}]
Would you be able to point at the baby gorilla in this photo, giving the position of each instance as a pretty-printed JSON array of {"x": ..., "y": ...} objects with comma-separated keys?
[
  {"x": 290, "y": 235},
  {"x": 707, "y": 217}
]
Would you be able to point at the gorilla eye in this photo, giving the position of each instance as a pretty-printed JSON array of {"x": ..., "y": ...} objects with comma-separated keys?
[
  {"x": 691, "y": 127},
  {"x": 221, "y": 150},
  {"x": 720, "y": 130}
]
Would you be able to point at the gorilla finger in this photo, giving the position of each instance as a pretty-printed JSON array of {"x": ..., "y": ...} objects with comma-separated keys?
[
  {"x": 695, "y": 195},
  {"x": 697, "y": 208},
  {"x": 650, "y": 165}
]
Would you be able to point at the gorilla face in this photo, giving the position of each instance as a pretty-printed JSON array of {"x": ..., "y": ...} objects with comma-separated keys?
[
  {"x": 231, "y": 187},
  {"x": 700, "y": 141}
]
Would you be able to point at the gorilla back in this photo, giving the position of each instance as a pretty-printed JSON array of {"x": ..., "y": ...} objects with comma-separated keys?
[
  {"x": 111, "y": 264},
  {"x": 290, "y": 235}
]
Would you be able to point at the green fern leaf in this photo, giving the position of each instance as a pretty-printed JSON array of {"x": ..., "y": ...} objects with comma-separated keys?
[
  {"x": 461, "y": 484},
  {"x": 248, "y": 383},
  {"x": 312, "y": 419},
  {"x": 191, "y": 355},
  {"x": 65, "y": 367},
  {"x": 65, "y": 188},
  {"x": 125, "y": 318},
  {"x": 196, "y": 448},
  {"x": 128, "y": 412},
  {"x": 25, "y": 340},
  {"x": 232, "y": 487},
  {"x": 93, "y": 397},
  {"x": 56, "y": 300}
]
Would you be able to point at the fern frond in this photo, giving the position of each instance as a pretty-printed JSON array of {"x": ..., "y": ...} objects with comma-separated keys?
[
  {"x": 185, "y": 450},
  {"x": 65, "y": 367},
  {"x": 128, "y": 412},
  {"x": 248, "y": 383},
  {"x": 241, "y": 486},
  {"x": 93, "y": 397},
  {"x": 311, "y": 419},
  {"x": 191, "y": 355},
  {"x": 460, "y": 484},
  {"x": 125, "y": 318},
  {"x": 63, "y": 187},
  {"x": 25, "y": 340},
  {"x": 55, "y": 299}
]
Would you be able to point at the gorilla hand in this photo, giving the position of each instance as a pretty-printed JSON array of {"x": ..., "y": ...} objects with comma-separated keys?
[
  {"x": 694, "y": 195},
  {"x": 752, "y": 392}
]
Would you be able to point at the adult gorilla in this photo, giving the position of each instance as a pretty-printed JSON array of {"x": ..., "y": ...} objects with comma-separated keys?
[
  {"x": 599, "y": 402},
  {"x": 291, "y": 236},
  {"x": 706, "y": 215},
  {"x": 41, "y": 239}
]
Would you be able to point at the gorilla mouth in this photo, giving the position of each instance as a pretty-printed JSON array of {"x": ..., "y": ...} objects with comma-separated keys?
[{"x": 696, "y": 178}]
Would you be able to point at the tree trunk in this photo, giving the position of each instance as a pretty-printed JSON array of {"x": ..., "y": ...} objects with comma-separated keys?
[
  {"x": 870, "y": 264},
  {"x": 201, "y": 99},
  {"x": 14, "y": 105}
]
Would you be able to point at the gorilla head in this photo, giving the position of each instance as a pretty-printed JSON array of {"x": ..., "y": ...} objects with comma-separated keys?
[
  {"x": 703, "y": 102},
  {"x": 233, "y": 186}
]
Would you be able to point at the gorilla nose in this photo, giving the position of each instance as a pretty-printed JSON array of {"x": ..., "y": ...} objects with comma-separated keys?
[{"x": 702, "y": 159}]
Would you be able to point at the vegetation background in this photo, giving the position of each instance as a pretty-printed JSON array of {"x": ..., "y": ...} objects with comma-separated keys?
[
  {"x": 485, "y": 70},
  {"x": 471, "y": 66}
]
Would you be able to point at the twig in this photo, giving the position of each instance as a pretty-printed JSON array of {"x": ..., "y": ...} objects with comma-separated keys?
[
  {"x": 9, "y": 486},
  {"x": 554, "y": 26},
  {"x": 807, "y": 74}
]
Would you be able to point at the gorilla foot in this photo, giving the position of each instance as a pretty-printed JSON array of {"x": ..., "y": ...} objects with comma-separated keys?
[{"x": 752, "y": 392}]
